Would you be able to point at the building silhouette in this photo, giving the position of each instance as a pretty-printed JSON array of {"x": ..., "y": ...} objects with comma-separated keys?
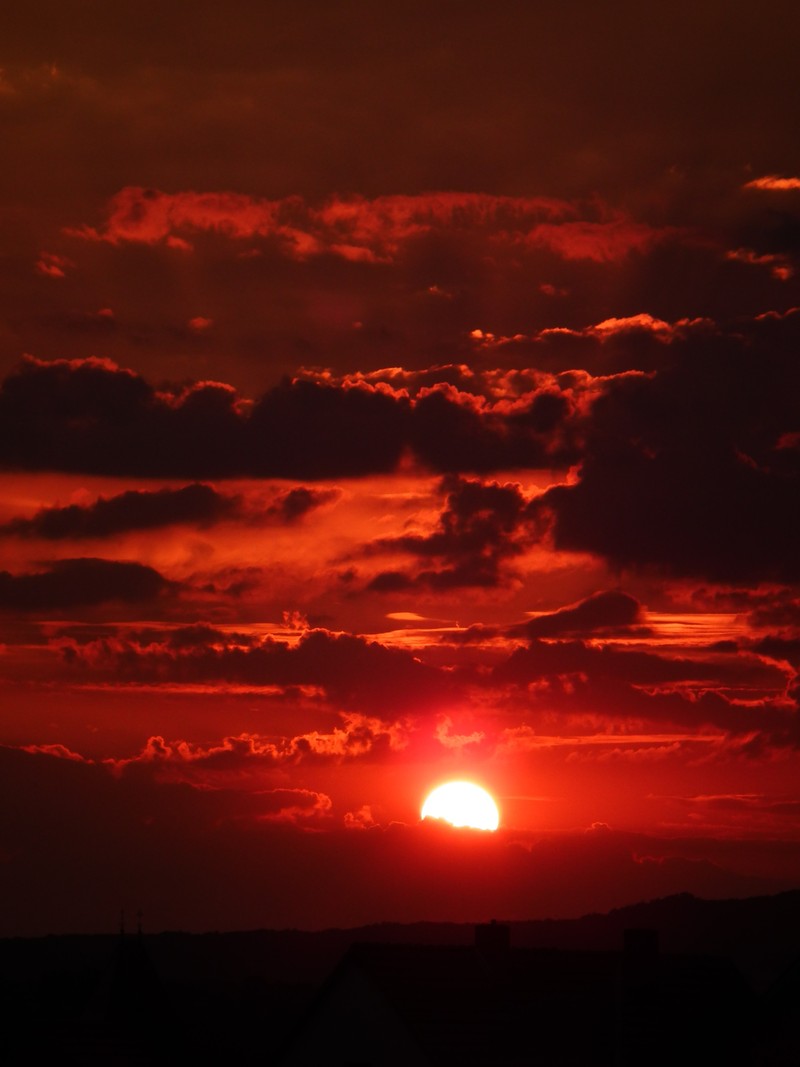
[{"x": 495, "y": 1006}]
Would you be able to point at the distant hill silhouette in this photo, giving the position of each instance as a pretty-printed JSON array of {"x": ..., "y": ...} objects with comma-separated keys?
[{"x": 760, "y": 934}]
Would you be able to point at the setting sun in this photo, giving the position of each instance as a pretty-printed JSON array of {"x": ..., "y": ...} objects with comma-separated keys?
[{"x": 462, "y": 804}]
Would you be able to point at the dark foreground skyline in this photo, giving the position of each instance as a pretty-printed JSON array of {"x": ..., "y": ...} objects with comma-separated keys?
[
  {"x": 681, "y": 976},
  {"x": 389, "y": 397}
]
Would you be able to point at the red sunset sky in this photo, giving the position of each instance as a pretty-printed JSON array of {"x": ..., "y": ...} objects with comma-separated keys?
[{"x": 390, "y": 395}]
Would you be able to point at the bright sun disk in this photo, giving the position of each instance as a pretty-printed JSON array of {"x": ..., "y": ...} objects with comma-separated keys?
[{"x": 462, "y": 804}]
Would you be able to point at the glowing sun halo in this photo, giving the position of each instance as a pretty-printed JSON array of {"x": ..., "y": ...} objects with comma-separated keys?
[{"x": 462, "y": 804}]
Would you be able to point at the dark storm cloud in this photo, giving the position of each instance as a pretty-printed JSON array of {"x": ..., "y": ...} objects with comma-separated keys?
[
  {"x": 76, "y": 583},
  {"x": 133, "y": 510}
]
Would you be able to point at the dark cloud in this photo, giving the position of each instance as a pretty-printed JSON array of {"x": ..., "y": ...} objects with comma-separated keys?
[
  {"x": 292, "y": 505},
  {"x": 686, "y": 470},
  {"x": 97, "y": 827},
  {"x": 780, "y": 648},
  {"x": 309, "y": 429},
  {"x": 744, "y": 695},
  {"x": 77, "y": 583},
  {"x": 483, "y": 525},
  {"x": 607, "y": 612},
  {"x": 781, "y": 612},
  {"x": 91, "y": 416},
  {"x": 140, "y": 509},
  {"x": 752, "y": 727},
  {"x": 450, "y": 435},
  {"x": 199, "y": 635},
  {"x": 353, "y": 671},
  {"x": 132, "y": 510},
  {"x": 544, "y": 658},
  {"x": 691, "y": 469}
]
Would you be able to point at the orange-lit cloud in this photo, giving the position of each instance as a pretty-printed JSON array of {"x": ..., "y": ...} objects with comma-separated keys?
[
  {"x": 602, "y": 242},
  {"x": 199, "y": 324},
  {"x": 774, "y": 182},
  {"x": 357, "y": 229},
  {"x": 779, "y": 265},
  {"x": 52, "y": 265},
  {"x": 606, "y": 330},
  {"x": 245, "y": 760}
]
